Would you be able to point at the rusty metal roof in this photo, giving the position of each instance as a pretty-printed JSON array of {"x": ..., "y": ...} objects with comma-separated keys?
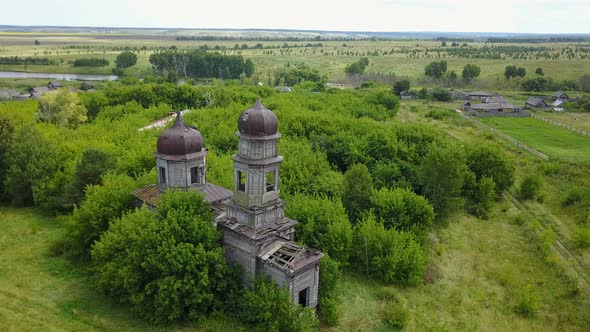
[
  {"x": 180, "y": 139},
  {"x": 258, "y": 121}
]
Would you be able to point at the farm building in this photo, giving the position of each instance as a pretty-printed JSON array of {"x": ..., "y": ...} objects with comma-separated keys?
[
  {"x": 560, "y": 95},
  {"x": 495, "y": 99},
  {"x": 256, "y": 234},
  {"x": 475, "y": 95},
  {"x": 535, "y": 102},
  {"x": 459, "y": 95},
  {"x": 405, "y": 95},
  {"x": 493, "y": 109}
]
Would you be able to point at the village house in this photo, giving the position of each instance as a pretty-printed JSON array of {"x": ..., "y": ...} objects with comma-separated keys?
[
  {"x": 256, "y": 233},
  {"x": 536, "y": 102},
  {"x": 475, "y": 95},
  {"x": 560, "y": 95},
  {"x": 405, "y": 95}
]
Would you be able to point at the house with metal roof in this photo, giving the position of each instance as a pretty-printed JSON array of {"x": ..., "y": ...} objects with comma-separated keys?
[{"x": 536, "y": 102}]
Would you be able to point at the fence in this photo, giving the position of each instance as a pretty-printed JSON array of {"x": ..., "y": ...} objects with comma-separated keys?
[
  {"x": 506, "y": 137},
  {"x": 562, "y": 125}
]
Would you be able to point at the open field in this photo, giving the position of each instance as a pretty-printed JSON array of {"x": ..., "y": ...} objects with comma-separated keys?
[
  {"x": 481, "y": 268},
  {"x": 40, "y": 292},
  {"x": 553, "y": 141},
  {"x": 575, "y": 119},
  {"x": 401, "y": 57}
]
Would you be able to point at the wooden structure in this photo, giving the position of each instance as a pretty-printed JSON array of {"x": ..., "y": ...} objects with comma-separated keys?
[
  {"x": 536, "y": 102},
  {"x": 406, "y": 95},
  {"x": 256, "y": 233},
  {"x": 560, "y": 95}
]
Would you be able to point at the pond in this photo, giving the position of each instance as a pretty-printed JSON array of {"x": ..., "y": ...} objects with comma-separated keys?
[{"x": 54, "y": 76}]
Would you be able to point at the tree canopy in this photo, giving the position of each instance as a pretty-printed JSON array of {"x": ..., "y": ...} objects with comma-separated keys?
[
  {"x": 436, "y": 69},
  {"x": 126, "y": 59}
]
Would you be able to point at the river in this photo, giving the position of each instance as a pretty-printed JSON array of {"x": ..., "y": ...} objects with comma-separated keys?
[{"x": 54, "y": 76}]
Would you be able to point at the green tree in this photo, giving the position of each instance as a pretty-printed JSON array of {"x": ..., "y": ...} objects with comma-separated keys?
[
  {"x": 356, "y": 196},
  {"x": 510, "y": 72},
  {"x": 530, "y": 187},
  {"x": 126, "y": 59},
  {"x": 403, "y": 210},
  {"x": 267, "y": 307},
  {"x": 441, "y": 94},
  {"x": 537, "y": 83},
  {"x": 168, "y": 265},
  {"x": 62, "y": 108},
  {"x": 37, "y": 43},
  {"x": 436, "y": 69},
  {"x": 93, "y": 164},
  {"x": 329, "y": 304},
  {"x": 491, "y": 162},
  {"x": 357, "y": 67},
  {"x": 470, "y": 72},
  {"x": 102, "y": 204},
  {"x": 387, "y": 255},
  {"x": 32, "y": 160},
  {"x": 441, "y": 175},
  {"x": 539, "y": 71},
  {"x": 480, "y": 195},
  {"x": 248, "y": 67},
  {"x": 520, "y": 72},
  {"x": 6, "y": 139},
  {"x": 401, "y": 85},
  {"x": 453, "y": 77},
  {"x": 323, "y": 224}
]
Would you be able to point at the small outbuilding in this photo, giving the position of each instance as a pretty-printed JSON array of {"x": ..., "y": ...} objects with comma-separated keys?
[
  {"x": 536, "y": 102},
  {"x": 405, "y": 95},
  {"x": 475, "y": 95},
  {"x": 560, "y": 95}
]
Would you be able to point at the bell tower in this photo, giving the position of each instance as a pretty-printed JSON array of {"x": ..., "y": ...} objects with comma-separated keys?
[{"x": 180, "y": 157}]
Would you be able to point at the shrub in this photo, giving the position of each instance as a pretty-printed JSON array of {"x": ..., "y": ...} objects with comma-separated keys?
[
  {"x": 527, "y": 302},
  {"x": 402, "y": 209},
  {"x": 440, "y": 94},
  {"x": 530, "y": 187},
  {"x": 388, "y": 255},
  {"x": 323, "y": 224},
  {"x": 267, "y": 307},
  {"x": 395, "y": 315},
  {"x": 101, "y": 205},
  {"x": 329, "y": 291},
  {"x": 168, "y": 265}
]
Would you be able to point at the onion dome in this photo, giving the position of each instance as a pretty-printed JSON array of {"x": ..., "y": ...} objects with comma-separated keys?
[
  {"x": 180, "y": 139},
  {"x": 258, "y": 121}
]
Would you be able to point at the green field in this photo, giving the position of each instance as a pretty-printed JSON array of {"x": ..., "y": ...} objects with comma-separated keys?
[
  {"x": 551, "y": 140},
  {"x": 41, "y": 292},
  {"x": 400, "y": 57},
  {"x": 480, "y": 268}
]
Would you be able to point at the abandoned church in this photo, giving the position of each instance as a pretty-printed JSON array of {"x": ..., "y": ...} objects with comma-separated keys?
[{"x": 256, "y": 233}]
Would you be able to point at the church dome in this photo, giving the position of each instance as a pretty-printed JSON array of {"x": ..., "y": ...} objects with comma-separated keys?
[
  {"x": 180, "y": 139},
  {"x": 258, "y": 121}
]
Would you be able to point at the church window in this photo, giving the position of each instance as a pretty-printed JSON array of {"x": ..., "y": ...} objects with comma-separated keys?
[
  {"x": 163, "y": 175},
  {"x": 241, "y": 181},
  {"x": 195, "y": 175},
  {"x": 270, "y": 181}
]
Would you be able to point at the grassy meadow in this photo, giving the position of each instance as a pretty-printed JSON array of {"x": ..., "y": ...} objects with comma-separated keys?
[
  {"x": 405, "y": 58},
  {"x": 549, "y": 139},
  {"x": 478, "y": 271}
]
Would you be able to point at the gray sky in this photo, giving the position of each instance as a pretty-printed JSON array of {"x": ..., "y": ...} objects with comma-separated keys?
[{"x": 540, "y": 16}]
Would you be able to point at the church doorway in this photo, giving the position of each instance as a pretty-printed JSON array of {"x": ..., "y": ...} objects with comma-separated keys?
[{"x": 303, "y": 297}]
